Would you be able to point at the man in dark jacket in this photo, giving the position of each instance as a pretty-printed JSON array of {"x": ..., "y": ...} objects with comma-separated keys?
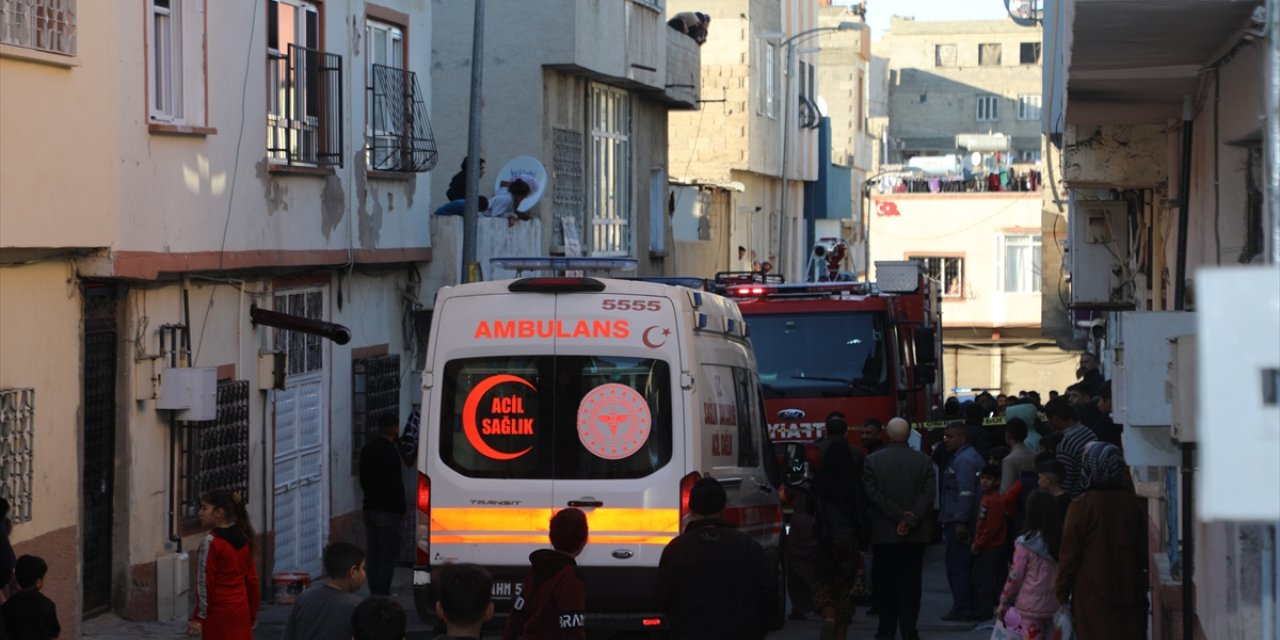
[
  {"x": 713, "y": 582},
  {"x": 553, "y": 599},
  {"x": 383, "y": 485},
  {"x": 900, "y": 487}
]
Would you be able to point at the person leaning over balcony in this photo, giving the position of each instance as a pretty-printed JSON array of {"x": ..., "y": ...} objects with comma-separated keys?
[
  {"x": 506, "y": 203},
  {"x": 693, "y": 23}
]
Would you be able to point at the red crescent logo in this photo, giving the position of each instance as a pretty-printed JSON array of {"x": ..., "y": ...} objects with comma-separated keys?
[
  {"x": 469, "y": 416},
  {"x": 650, "y": 343}
]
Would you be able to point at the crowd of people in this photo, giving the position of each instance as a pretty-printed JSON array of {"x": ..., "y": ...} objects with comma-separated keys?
[{"x": 1035, "y": 509}]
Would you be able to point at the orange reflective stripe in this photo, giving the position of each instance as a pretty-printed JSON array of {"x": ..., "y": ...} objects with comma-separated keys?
[
  {"x": 599, "y": 521},
  {"x": 484, "y": 538}
]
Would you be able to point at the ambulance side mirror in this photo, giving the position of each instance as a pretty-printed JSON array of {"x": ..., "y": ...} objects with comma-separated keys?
[{"x": 926, "y": 348}]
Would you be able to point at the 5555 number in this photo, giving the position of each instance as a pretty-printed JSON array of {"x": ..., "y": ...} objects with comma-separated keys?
[{"x": 624, "y": 304}]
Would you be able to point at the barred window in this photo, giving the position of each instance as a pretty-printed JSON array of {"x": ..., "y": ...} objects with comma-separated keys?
[
  {"x": 215, "y": 453},
  {"x": 17, "y": 450},
  {"x": 302, "y": 350},
  {"x": 44, "y": 25},
  {"x": 947, "y": 270},
  {"x": 375, "y": 385},
  {"x": 304, "y": 88},
  {"x": 610, "y": 171}
]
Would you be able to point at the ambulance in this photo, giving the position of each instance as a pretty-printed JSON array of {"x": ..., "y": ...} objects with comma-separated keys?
[{"x": 613, "y": 396}]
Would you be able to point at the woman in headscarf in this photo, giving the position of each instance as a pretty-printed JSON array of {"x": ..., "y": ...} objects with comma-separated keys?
[{"x": 1103, "y": 560}]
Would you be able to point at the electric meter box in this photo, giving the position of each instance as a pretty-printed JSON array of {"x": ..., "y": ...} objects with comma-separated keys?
[{"x": 191, "y": 391}]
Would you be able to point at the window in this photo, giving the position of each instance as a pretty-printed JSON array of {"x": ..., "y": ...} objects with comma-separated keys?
[
  {"x": 17, "y": 440},
  {"x": 610, "y": 171},
  {"x": 397, "y": 130},
  {"x": 176, "y": 64},
  {"x": 43, "y": 25},
  {"x": 1029, "y": 106},
  {"x": 1031, "y": 155},
  {"x": 944, "y": 55},
  {"x": 744, "y": 388},
  {"x": 1020, "y": 255},
  {"x": 988, "y": 108},
  {"x": 215, "y": 454},
  {"x": 1029, "y": 53},
  {"x": 770, "y": 78},
  {"x": 302, "y": 351},
  {"x": 827, "y": 354},
  {"x": 304, "y": 101},
  {"x": 947, "y": 270},
  {"x": 989, "y": 54},
  {"x": 556, "y": 417}
]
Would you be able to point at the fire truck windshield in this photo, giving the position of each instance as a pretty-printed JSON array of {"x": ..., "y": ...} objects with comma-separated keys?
[{"x": 825, "y": 354}]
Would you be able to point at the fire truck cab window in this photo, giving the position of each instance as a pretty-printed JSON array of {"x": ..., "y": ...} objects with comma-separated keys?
[
  {"x": 535, "y": 417},
  {"x": 842, "y": 354}
]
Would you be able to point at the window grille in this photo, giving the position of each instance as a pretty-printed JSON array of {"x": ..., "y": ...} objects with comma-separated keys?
[
  {"x": 375, "y": 384},
  {"x": 302, "y": 351},
  {"x": 610, "y": 171},
  {"x": 304, "y": 118},
  {"x": 215, "y": 453},
  {"x": 17, "y": 450},
  {"x": 566, "y": 180},
  {"x": 400, "y": 137},
  {"x": 948, "y": 271},
  {"x": 44, "y": 25}
]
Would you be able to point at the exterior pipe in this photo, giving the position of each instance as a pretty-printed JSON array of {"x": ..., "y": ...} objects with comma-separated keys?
[
  {"x": 471, "y": 270},
  {"x": 1184, "y": 202},
  {"x": 1188, "y": 540}
]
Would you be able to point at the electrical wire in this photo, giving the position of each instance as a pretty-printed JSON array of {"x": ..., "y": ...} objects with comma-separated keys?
[{"x": 235, "y": 174}]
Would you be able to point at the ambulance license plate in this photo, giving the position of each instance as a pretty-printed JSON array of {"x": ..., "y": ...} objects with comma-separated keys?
[{"x": 503, "y": 589}]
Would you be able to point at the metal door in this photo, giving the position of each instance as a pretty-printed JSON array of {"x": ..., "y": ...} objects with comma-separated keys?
[
  {"x": 301, "y": 432},
  {"x": 97, "y": 479}
]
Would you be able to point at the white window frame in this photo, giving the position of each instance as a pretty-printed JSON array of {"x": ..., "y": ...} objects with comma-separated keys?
[
  {"x": 770, "y": 79},
  {"x": 391, "y": 56},
  {"x": 276, "y": 85},
  {"x": 1029, "y": 106},
  {"x": 609, "y": 109},
  {"x": 21, "y": 22},
  {"x": 176, "y": 82},
  {"x": 1029, "y": 258},
  {"x": 942, "y": 263},
  {"x": 988, "y": 109}
]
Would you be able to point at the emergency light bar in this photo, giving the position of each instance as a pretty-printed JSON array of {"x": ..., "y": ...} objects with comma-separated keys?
[
  {"x": 799, "y": 289},
  {"x": 564, "y": 264}
]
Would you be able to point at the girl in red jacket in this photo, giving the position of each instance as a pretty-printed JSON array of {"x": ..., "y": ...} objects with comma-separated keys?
[{"x": 226, "y": 579}]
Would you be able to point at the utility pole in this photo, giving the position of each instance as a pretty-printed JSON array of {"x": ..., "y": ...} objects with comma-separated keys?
[{"x": 471, "y": 270}]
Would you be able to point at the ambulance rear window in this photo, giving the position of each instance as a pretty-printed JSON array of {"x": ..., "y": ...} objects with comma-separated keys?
[{"x": 556, "y": 417}]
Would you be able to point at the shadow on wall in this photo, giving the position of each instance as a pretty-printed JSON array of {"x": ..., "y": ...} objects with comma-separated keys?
[{"x": 495, "y": 240}]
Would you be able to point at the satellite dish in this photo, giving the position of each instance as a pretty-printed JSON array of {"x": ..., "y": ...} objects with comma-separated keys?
[
  {"x": 975, "y": 159},
  {"x": 526, "y": 168},
  {"x": 822, "y": 106}
]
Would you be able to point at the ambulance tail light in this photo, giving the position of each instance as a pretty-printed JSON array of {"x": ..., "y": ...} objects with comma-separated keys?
[
  {"x": 423, "y": 530},
  {"x": 556, "y": 285},
  {"x": 686, "y": 488}
]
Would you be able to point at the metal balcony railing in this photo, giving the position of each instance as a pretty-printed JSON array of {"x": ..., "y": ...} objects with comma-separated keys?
[
  {"x": 304, "y": 114},
  {"x": 399, "y": 130}
]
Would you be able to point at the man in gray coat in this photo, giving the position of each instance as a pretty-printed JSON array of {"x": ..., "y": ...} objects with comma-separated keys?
[{"x": 900, "y": 487}]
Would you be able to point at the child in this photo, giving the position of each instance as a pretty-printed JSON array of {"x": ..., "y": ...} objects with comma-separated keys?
[
  {"x": 323, "y": 612},
  {"x": 1050, "y": 474},
  {"x": 1028, "y": 603},
  {"x": 226, "y": 578},
  {"x": 988, "y": 540},
  {"x": 29, "y": 613},
  {"x": 465, "y": 603},
  {"x": 378, "y": 618},
  {"x": 553, "y": 596}
]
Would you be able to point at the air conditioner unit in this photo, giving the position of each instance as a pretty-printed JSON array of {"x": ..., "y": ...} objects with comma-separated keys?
[
  {"x": 1097, "y": 255},
  {"x": 1180, "y": 388}
]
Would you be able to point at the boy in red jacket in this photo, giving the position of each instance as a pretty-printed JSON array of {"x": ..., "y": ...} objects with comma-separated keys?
[
  {"x": 552, "y": 602},
  {"x": 989, "y": 564}
]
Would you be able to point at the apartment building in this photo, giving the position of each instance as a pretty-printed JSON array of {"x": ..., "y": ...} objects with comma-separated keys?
[
  {"x": 584, "y": 88},
  {"x": 732, "y": 150},
  {"x": 171, "y": 170},
  {"x": 1164, "y": 125}
]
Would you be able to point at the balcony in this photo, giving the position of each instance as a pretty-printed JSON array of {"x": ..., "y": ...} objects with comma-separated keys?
[{"x": 684, "y": 71}]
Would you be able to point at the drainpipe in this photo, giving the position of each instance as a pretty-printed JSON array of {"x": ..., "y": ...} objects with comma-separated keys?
[{"x": 1184, "y": 202}]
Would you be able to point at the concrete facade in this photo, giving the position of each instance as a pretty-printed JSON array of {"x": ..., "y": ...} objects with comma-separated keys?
[
  {"x": 1128, "y": 87},
  {"x": 541, "y": 71},
  {"x": 740, "y": 140},
  {"x": 156, "y": 220},
  {"x": 991, "y": 336},
  {"x": 937, "y": 73}
]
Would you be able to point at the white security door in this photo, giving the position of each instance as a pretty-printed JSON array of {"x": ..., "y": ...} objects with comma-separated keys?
[{"x": 301, "y": 431}]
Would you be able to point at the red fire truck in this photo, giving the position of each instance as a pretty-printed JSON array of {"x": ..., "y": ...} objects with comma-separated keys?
[{"x": 869, "y": 350}]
